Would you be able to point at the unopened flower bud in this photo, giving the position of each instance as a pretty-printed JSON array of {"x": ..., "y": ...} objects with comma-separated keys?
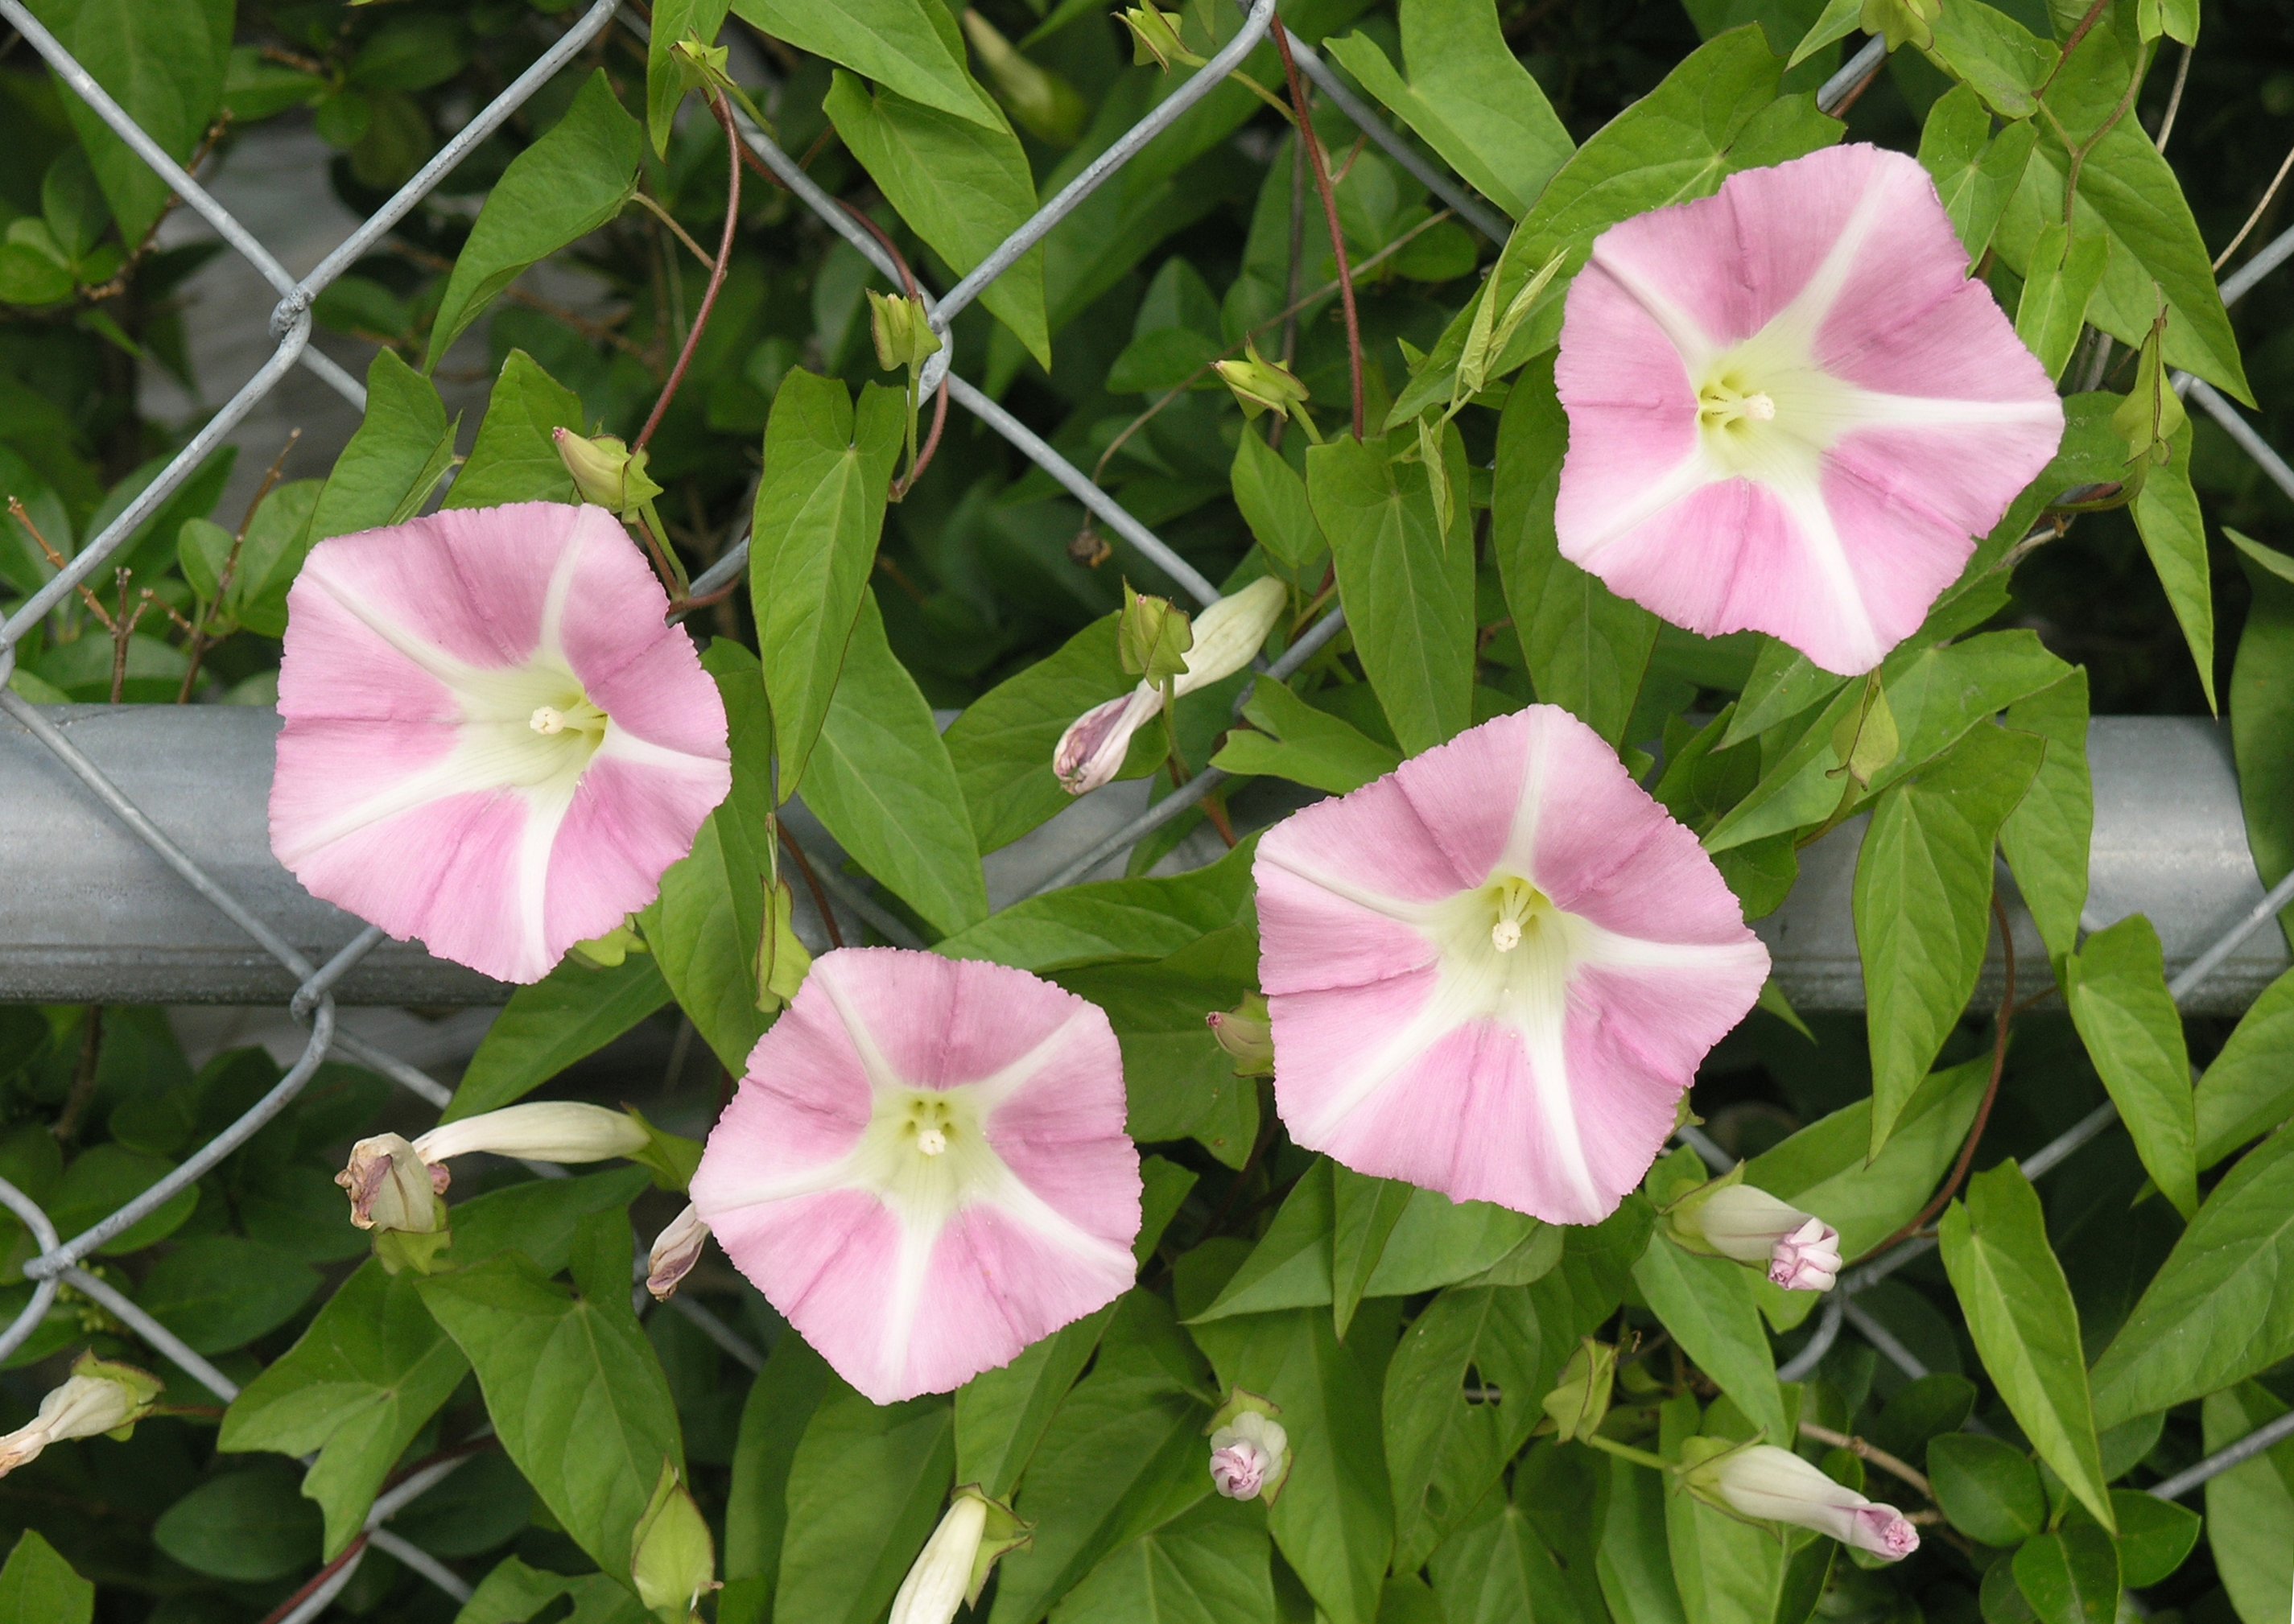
[
  {"x": 1248, "y": 1454},
  {"x": 675, "y": 1250},
  {"x": 1155, "y": 38},
  {"x": 538, "y": 1131},
  {"x": 1800, "y": 1250},
  {"x": 672, "y": 1559},
  {"x": 393, "y": 1189},
  {"x": 956, "y": 1561},
  {"x": 1773, "y": 1485},
  {"x": 1245, "y": 1033},
  {"x": 1092, "y": 749},
  {"x": 702, "y": 66},
  {"x": 1223, "y": 640},
  {"x": 1580, "y": 1402},
  {"x": 902, "y": 332},
  {"x": 1153, "y": 636},
  {"x": 1039, "y": 101},
  {"x": 605, "y": 472},
  {"x": 100, "y": 1396},
  {"x": 1903, "y": 21},
  {"x": 1261, "y": 385},
  {"x": 1229, "y": 634}
]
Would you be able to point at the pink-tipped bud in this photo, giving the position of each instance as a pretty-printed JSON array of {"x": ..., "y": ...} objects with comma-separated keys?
[
  {"x": 1773, "y": 1485},
  {"x": 1800, "y": 1250},
  {"x": 100, "y": 1396},
  {"x": 1247, "y": 1455},
  {"x": 675, "y": 1251},
  {"x": 1808, "y": 1259},
  {"x": 1245, "y": 1033},
  {"x": 1091, "y": 751}
]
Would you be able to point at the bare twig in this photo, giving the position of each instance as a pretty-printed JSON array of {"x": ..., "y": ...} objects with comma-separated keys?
[
  {"x": 652, "y": 206},
  {"x": 1329, "y": 213},
  {"x": 1871, "y": 1452},
  {"x": 84, "y": 1075},
  {"x": 2261, "y": 208},
  {"x": 57, "y": 560},
  {"x": 2174, "y": 100},
  {"x": 124, "y": 622},
  {"x": 717, "y": 268},
  {"x": 199, "y": 642}
]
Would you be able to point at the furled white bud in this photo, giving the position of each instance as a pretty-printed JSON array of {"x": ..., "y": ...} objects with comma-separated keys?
[
  {"x": 675, "y": 1250},
  {"x": 1228, "y": 634},
  {"x": 393, "y": 1189},
  {"x": 1226, "y": 637},
  {"x": 1249, "y": 1455},
  {"x": 100, "y": 1396},
  {"x": 956, "y": 1561},
  {"x": 1800, "y": 1250},
  {"x": 537, "y": 1131},
  {"x": 1774, "y": 1485}
]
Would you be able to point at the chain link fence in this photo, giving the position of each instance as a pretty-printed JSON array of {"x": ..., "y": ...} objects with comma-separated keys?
[{"x": 58, "y": 1261}]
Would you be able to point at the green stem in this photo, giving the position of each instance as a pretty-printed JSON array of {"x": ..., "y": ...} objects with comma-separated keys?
[{"x": 1625, "y": 1452}]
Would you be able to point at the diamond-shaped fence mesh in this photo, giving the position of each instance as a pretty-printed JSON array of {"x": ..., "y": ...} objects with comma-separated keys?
[{"x": 58, "y": 1262}]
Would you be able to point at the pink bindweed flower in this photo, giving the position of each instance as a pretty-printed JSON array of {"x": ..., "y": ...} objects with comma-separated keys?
[
  {"x": 492, "y": 741},
  {"x": 1791, "y": 410},
  {"x": 925, "y": 1168},
  {"x": 1492, "y": 972},
  {"x": 1775, "y": 1485}
]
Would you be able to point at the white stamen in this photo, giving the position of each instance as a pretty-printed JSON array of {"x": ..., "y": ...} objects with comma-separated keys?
[
  {"x": 1505, "y": 935},
  {"x": 931, "y": 1141},
  {"x": 1759, "y": 408},
  {"x": 547, "y": 719}
]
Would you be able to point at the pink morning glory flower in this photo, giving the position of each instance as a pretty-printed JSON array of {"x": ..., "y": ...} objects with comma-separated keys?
[
  {"x": 1493, "y": 972},
  {"x": 925, "y": 1168},
  {"x": 1790, "y": 411},
  {"x": 493, "y": 741}
]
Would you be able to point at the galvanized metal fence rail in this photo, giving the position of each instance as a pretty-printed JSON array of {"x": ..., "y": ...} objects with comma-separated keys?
[{"x": 58, "y": 1262}]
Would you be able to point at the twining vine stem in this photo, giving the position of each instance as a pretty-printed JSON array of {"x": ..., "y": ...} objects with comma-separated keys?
[
  {"x": 1322, "y": 170},
  {"x": 724, "y": 113}
]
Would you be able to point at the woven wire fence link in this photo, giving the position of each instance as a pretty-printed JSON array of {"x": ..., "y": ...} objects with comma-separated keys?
[{"x": 58, "y": 1262}]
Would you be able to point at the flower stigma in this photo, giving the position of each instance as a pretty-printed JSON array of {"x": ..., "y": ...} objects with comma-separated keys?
[
  {"x": 1724, "y": 401},
  {"x": 1519, "y": 903},
  {"x": 577, "y": 716}
]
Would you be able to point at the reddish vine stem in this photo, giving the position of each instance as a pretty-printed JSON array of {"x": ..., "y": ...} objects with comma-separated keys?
[
  {"x": 1982, "y": 1112},
  {"x": 724, "y": 112},
  {"x": 685, "y": 606},
  {"x": 1321, "y": 171},
  {"x": 812, "y": 884},
  {"x": 915, "y": 290},
  {"x": 310, "y": 1588}
]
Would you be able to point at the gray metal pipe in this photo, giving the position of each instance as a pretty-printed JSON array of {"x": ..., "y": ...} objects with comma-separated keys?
[{"x": 88, "y": 914}]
